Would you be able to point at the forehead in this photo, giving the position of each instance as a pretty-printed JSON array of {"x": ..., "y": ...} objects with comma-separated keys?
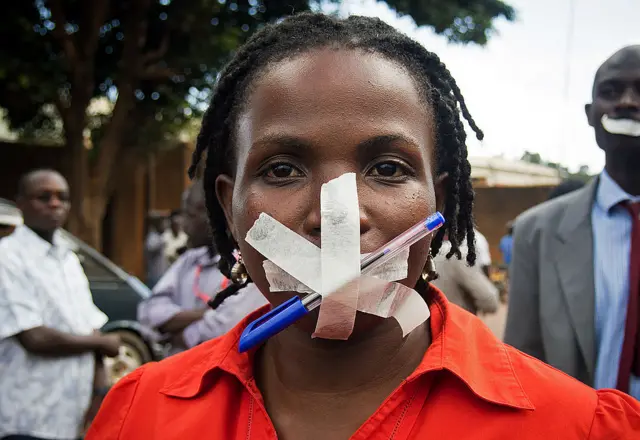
[
  {"x": 326, "y": 87},
  {"x": 47, "y": 181},
  {"x": 622, "y": 66}
]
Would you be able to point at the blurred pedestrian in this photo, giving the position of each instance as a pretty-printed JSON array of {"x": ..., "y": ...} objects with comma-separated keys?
[
  {"x": 174, "y": 237},
  {"x": 154, "y": 248},
  {"x": 575, "y": 277},
  {"x": 179, "y": 305},
  {"x": 52, "y": 376},
  {"x": 464, "y": 285},
  {"x": 483, "y": 253},
  {"x": 506, "y": 244}
]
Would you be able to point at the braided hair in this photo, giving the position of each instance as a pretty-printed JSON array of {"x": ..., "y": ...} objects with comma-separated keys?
[{"x": 306, "y": 31}]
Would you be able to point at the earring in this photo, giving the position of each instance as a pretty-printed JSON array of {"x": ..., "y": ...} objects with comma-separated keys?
[
  {"x": 239, "y": 273},
  {"x": 429, "y": 272}
]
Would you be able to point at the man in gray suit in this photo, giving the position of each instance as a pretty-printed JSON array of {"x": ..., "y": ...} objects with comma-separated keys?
[{"x": 575, "y": 274}]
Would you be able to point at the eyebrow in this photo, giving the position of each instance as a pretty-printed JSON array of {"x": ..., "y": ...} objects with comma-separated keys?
[
  {"x": 295, "y": 144},
  {"x": 291, "y": 144},
  {"x": 381, "y": 143}
]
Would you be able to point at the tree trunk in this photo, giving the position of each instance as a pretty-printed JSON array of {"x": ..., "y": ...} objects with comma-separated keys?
[
  {"x": 78, "y": 174},
  {"x": 94, "y": 215}
]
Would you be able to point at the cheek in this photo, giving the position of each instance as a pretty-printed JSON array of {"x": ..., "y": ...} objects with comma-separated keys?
[
  {"x": 248, "y": 203},
  {"x": 392, "y": 212}
]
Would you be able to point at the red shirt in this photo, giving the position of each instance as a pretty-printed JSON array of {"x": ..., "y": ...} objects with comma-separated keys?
[{"x": 469, "y": 385}]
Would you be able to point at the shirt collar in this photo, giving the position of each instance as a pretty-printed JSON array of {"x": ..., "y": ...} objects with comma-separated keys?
[
  {"x": 37, "y": 245},
  {"x": 609, "y": 194},
  {"x": 476, "y": 357}
]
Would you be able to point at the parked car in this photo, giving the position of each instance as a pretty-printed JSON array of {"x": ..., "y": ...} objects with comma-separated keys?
[{"x": 115, "y": 292}]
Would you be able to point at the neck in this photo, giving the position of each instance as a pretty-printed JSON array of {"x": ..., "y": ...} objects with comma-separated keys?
[
  {"x": 625, "y": 172},
  {"x": 292, "y": 362},
  {"x": 45, "y": 235}
]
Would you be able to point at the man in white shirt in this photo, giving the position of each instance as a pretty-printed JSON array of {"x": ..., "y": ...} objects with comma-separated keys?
[{"x": 51, "y": 372}]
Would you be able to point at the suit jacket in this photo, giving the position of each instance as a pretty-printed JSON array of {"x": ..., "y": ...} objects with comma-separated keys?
[{"x": 552, "y": 290}]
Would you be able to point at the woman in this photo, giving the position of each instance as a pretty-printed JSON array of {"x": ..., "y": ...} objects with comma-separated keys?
[{"x": 305, "y": 101}]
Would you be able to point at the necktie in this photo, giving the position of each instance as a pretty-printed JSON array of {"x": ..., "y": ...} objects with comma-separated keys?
[{"x": 630, "y": 358}]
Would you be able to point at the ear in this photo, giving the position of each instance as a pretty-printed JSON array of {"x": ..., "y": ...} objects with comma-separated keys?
[
  {"x": 587, "y": 110},
  {"x": 440, "y": 186},
  {"x": 224, "y": 192}
]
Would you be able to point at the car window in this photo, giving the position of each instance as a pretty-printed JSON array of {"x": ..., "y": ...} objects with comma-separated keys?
[{"x": 94, "y": 269}]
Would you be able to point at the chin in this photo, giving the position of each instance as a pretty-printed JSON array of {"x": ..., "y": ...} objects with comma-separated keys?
[
  {"x": 618, "y": 142},
  {"x": 365, "y": 324}
]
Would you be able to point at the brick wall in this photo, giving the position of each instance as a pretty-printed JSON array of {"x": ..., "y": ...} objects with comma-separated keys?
[{"x": 496, "y": 206}]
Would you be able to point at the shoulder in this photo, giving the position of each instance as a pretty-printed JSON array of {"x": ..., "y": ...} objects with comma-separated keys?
[
  {"x": 135, "y": 400},
  {"x": 180, "y": 374},
  {"x": 547, "y": 217},
  {"x": 12, "y": 253},
  {"x": 551, "y": 401},
  {"x": 545, "y": 212},
  {"x": 552, "y": 392}
]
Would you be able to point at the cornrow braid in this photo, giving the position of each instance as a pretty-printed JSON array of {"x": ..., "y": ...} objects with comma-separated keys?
[{"x": 306, "y": 31}]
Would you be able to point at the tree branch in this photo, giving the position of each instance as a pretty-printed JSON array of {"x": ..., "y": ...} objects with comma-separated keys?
[
  {"x": 134, "y": 33},
  {"x": 157, "y": 73},
  {"x": 95, "y": 15},
  {"x": 155, "y": 55},
  {"x": 60, "y": 34}
]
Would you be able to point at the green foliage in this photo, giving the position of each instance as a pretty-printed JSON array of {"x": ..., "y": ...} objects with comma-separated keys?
[
  {"x": 183, "y": 46},
  {"x": 461, "y": 21}
]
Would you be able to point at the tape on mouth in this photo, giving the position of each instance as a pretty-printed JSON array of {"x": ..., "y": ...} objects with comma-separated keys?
[
  {"x": 296, "y": 265},
  {"x": 625, "y": 127}
]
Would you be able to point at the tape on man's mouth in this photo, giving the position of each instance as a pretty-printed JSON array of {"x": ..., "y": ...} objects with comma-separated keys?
[
  {"x": 296, "y": 265},
  {"x": 625, "y": 127}
]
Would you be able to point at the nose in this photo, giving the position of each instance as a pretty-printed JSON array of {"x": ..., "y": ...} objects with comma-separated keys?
[
  {"x": 313, "y": 221},
  {"x": 55, "y": 201},
  {"x": 629, "y": 101}
]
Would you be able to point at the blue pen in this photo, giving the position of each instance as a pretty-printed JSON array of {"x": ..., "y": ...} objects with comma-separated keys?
[{"x": 290, "y": 311}]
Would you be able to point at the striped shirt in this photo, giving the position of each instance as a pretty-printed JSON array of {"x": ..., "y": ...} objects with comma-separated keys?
[{"x": 612, "y": 248}]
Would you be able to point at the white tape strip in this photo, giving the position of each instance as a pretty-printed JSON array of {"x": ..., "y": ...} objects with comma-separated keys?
[
  {"x": 339, "y": 256},
  {"x": 289, "y": 251},
  {"x": 387, "y": 299},
  {"x": 395, "y": 269}
]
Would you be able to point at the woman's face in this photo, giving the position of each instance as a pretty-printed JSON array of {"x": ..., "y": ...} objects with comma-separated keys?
[{"x": 314, "y": 117}]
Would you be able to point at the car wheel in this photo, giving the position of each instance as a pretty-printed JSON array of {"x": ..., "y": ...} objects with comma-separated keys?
[{"x": 133, "y": 353}]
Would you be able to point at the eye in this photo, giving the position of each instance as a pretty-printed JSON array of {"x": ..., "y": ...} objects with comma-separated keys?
[
  {"x": 388, "y": 170},
  {"x": 609, "y": 90},
  {"x": 282, "y": 171}
]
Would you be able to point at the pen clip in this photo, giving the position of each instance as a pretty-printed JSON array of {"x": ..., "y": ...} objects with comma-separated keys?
[{"x": 271, "y": 323}]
